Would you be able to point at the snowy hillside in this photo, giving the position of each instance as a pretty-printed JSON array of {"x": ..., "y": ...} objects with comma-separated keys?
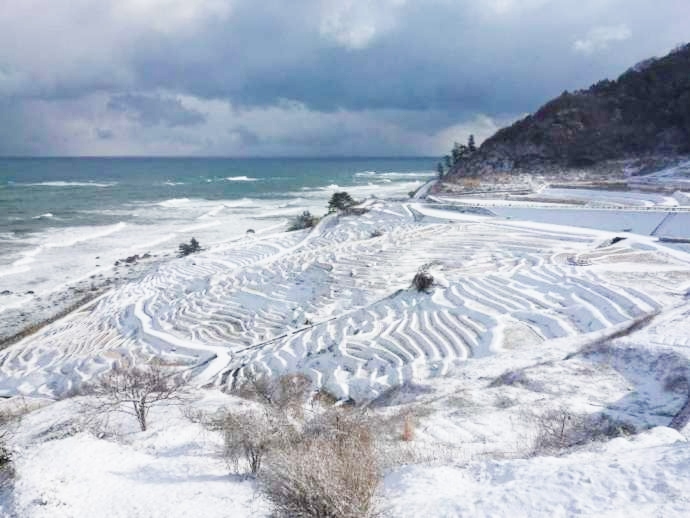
[{"x": 527, "y": 326}]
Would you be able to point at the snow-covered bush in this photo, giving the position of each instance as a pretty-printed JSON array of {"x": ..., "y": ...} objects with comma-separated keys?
[
  {"x": 331, "y": 471},
  {"x": 511, "y": 378},
  {"x": 249, "y": 436},
  {"x": 286, "y": 393},
  {"x": 302, "y": 221},
  {"x": 422, "y": 280},
  {"x": 560, "y": 429}
]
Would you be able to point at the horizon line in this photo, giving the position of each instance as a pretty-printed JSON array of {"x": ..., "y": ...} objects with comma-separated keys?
[{"x": 219, "y": 157}]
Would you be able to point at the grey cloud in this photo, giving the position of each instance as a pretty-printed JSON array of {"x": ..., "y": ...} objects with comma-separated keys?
[
  {"x": 152, "y": 110},
  {"x": 104, "y": 134},
  {"x": 408, "y": 69},
  {"x": 439, "y": 55}
]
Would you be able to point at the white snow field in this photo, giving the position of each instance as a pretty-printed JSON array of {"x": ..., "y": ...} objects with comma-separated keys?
[{"x": 523, "y": 318}]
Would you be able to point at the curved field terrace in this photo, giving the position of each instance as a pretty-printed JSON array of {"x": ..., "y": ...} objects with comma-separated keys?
[{"x": 337, "y": 304}]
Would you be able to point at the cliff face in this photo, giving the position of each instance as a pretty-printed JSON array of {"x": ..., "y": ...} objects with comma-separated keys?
[{"x": 646, "y": 111}]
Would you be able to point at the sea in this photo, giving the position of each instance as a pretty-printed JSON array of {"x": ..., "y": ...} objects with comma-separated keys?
[{"x": 67, "y": 219}]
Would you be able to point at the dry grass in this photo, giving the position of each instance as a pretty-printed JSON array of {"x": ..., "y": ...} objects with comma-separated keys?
[{"x": 408, "y": 428}]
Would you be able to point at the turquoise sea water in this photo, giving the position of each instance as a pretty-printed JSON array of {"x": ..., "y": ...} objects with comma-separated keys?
[
  {"x": 67, "y": 218},
  {"x": 36, "y": 193}
]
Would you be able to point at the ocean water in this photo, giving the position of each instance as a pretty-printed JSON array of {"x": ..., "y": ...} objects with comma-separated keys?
[{"x": 64, "y": 219}]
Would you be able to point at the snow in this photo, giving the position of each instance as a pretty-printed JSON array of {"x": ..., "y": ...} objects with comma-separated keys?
[
  {"x": 649, "y": 479},
  {"x": 525, "y": 317},
  {"x": 175, "y": 469}
]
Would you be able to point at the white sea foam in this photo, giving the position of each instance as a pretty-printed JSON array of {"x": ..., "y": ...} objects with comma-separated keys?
[
  {"x": 54, "y": 258},
  {"x": 212, "y": 213},
  {"x": 172, "y": 184},
  {"x": 393, "y": 174},
  {"x": 296, "y": 202},
  {"x": 68, "y": 184},
  {"x": 80, "y": 236},
  {"x": 240, "y": 179},
  {"x": 47, "y": 215},
  {"x": 242, "y": 203},
  {"x": 174, "y": 202},
  {"x": 64, "y": 238}
]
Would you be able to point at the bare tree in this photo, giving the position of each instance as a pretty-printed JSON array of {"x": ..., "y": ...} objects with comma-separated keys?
[{"x": 134, "y": 390}]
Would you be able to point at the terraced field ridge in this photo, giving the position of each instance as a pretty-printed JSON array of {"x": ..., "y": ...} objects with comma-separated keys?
[{"x": 336, "y": 303}]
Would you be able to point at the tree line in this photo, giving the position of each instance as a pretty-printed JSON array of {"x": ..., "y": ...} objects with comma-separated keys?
[{"x": 459, "y": 153}]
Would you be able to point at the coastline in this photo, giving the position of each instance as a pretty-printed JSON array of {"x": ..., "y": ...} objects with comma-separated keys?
[{"x": 20, "y": 322}]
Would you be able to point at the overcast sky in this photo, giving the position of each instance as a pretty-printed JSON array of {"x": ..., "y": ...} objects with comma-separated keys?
[{"x": 303, "y": 77}]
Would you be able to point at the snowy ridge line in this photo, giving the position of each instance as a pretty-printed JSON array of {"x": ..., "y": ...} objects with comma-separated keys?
[
  {"x": 599, "y": 206},
  {"x": 335, "y": 303}
]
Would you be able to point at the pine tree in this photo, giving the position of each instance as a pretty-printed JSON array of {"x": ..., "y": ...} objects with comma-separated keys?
[
  {"x": 439, "y": 168},
  {"x": 340, "y": 201},
  {"x": 471, "y": 146}
]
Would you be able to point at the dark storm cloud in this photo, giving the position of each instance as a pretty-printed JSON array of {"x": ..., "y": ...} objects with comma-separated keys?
[
  {"x": 462, "y": 57},
  {"x": 409, "y": 68},
  {"x": 151, "y": 110}
]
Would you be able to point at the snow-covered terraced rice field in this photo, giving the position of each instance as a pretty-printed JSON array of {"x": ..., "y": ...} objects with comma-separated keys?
[{"x": 336, "y": 304}]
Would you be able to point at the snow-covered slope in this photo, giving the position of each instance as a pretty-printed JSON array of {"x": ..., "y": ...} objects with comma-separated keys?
[
  {"x": 335, "y": 303},
  {"x": 523, "y": 319}
]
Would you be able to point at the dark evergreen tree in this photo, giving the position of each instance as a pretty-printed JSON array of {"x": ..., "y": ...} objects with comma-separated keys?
[
  {"x": 340, "y": 201},
  {"x": 471, "y": 146},
  {"x": 189, "y": 248}
]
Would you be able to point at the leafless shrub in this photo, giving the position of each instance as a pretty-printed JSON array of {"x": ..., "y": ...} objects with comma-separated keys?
[
  {"x": 556, "y": 430},
  {"x": 323, "y": 397},
  {"x": 561, "y": 429},
  {"x": 287, "y": 393},
  {"x": 135, "y": 390},
  {"x": 194, "y": 415},
  {"x": 504, "y": 402},
  {"x": 511, "y": 378},
  {"x": 249, "y": 436},
  {"x": 407, "y": 392},
  {"x": 331, "y": 471},
  {"x": 7, "y": 419},
  {"x": 6, "y": 462}
]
